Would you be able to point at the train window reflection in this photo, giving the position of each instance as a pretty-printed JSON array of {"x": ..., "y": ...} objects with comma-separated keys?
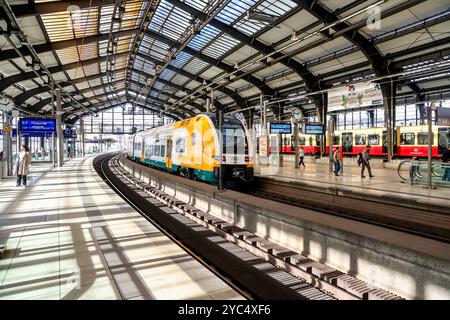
[
  {"x": 360, "y": 139},
  {"x": 301, "y": 141},
  {"x": 422, "y": 138},
  {"x": 374, "y": 139},
  {"x": 407, "y": 138}
]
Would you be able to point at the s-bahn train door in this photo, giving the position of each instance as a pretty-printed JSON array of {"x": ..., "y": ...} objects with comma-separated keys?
[
  {"x": 384, "y": 141},
  {"x": 169, "y": 153},
  {"x": 347, "y": 142},
  {"x": 444, "y": 139}
]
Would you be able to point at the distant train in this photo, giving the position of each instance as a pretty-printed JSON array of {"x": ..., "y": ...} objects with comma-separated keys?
[
  {"x": 190, "y": 148},
  {"x": 409, "y": 141}
]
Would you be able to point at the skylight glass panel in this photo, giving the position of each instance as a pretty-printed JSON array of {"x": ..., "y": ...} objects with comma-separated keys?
[
  {"x": 181, "y": 59},
  {"x": 195, "y": 66},
  {"x": 207, "y": 34},
  {"x": 222, "y": 45},
  {"x": 197, "y": 4},
  {"x": 234, "y": 10},
  {"x": 167, "y": 74}
]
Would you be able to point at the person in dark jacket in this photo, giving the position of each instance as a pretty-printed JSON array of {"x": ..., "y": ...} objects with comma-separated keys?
[{"x": 446, "y": 159}]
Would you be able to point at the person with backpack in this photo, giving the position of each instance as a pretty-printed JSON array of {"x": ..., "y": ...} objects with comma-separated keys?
[
  {"x": 359, "y": 159},
  {"x": 337, "y": 161},
  {"x": 365, "y": 162}
]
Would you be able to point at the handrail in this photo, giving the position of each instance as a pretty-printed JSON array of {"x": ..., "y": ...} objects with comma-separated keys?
[{"x": 415, "y": 171}]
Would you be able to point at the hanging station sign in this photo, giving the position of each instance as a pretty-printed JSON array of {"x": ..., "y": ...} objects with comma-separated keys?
[
  {"x": 313, "y": 128},
  {"x": 280, "y": 127},
  {"x": 33, "y": 125}
]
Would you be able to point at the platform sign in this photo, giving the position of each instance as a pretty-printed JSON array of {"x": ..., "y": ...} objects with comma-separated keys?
[
  {"x": 13, "y": 131},
  {"x": 33, "y": 125},
  {"x": 313, "y": 128},
  {"x": 443, "y": 116},
  {"x": 281, "y": 127},
  {"x": 70, "y": 133}
]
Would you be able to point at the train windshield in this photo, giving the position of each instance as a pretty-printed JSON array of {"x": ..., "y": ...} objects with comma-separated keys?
[{"x": 234, "y": 139}]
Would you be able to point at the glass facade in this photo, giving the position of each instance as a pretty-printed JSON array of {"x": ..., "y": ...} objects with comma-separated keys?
[{"x": 120, "y": 120}]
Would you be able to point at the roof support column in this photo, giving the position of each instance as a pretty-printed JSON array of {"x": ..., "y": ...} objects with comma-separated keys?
[
  {"x": 321, "y": 102},
  {"x": 59, "y": 132},
  {"x": 82, "y": 137},
  {"x": 389, "y": 91}
]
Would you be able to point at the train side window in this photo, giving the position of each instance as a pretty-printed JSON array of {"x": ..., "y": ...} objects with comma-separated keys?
[
  {"x": 407, "y": 138},
  {"x": 317, "y": 140},
  {"x": 360, "y": 139},
  {"x": 310, "y": 141},
  {"x": 336, "y": 140},
  {"x": 179, "y": 145},
  {"x": 163, "y": 151},
  {"x": 194, "y": 138},
  {"x": 422, "y": 138},
  {"x": 374, "y": 139},
  {"x": 301, "y": 141},
  {"x": 157, "y": 150}
]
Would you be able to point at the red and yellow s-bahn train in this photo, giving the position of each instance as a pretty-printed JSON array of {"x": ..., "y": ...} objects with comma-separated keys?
[{"x": 409, "y": 141}]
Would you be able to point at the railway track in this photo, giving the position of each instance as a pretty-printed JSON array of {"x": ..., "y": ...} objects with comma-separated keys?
[
  {"x": 430, "y": 223},
  {"x": 255, "y": 267}
]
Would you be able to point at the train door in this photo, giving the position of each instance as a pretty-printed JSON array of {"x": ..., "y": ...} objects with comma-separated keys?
[
  {"x": 169, "y": 153},
  {"x": 347, "y": 142},
  {"x": 444, "y": 139},
  {"x": 384, "y": 141}
]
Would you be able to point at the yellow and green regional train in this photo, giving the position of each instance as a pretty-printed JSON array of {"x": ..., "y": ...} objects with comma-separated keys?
[{"x": 191, "y": 148}]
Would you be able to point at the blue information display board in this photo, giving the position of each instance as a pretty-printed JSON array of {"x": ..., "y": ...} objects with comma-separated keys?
[
  {"x": 280, "y": 128},
  {"x": 314, "y": 129},
  {"x": 46, "y": 125}
]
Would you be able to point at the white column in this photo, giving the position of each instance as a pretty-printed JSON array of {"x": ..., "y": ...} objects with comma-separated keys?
[{"x": 59, "y": 132}]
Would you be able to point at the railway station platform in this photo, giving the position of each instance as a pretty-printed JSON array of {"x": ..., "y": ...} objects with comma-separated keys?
[
  {"x": 69, "y": 236},
  {"x": 386, "y": 184}
]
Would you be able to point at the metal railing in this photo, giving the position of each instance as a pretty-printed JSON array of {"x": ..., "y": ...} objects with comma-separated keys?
[{"x": 416, "y": 172}]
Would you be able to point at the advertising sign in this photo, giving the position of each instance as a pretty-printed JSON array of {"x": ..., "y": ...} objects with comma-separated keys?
[
  {"x": 280, "y": 127},
  {"x": 47, "y": 125},
  {"x": 263, "y": 146}
]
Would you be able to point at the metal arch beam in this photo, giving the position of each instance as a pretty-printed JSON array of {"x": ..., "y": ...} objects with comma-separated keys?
[
  {"x": 8, "y": 81},
  {"x": 310, "y": 80},
  {"x": 24, "y": 10},
  {"x": 261, "y": 85},
  {"x": 168, "y": 83},
  {"x": 233, "y": 95},
  {"x": 21, "y": 98},
  {"x": 48, "y": 46}
]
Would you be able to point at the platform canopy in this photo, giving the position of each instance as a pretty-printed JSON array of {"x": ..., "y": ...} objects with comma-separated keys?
[{"x": 167, "y": 55}]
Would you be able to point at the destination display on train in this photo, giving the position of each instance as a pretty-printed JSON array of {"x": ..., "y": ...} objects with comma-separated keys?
[
  {"x": 280, "y": 127},
  {"x": 314, "y": 129},
  {"x": 47, "y": 125}
]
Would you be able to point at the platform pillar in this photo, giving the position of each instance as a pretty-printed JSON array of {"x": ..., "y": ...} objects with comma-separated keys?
[
  {"x": 59, "y": 132},
  {"x": 82, "y": 137}
]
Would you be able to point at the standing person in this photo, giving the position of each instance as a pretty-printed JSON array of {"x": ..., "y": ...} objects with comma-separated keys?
[
  {"x": 68, "y": 151},
  {"x": 22, "y": 166},
  {"x": 365, "y": 162},
  {"x": 446, "y": 159},
  {"x": 301, "y": 154},
  {"x": 337, "y": 161}
]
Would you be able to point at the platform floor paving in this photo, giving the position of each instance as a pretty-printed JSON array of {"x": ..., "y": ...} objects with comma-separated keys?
[
  {"x": 69, "y": 236},
  {"x": 386, "y": 182}
]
